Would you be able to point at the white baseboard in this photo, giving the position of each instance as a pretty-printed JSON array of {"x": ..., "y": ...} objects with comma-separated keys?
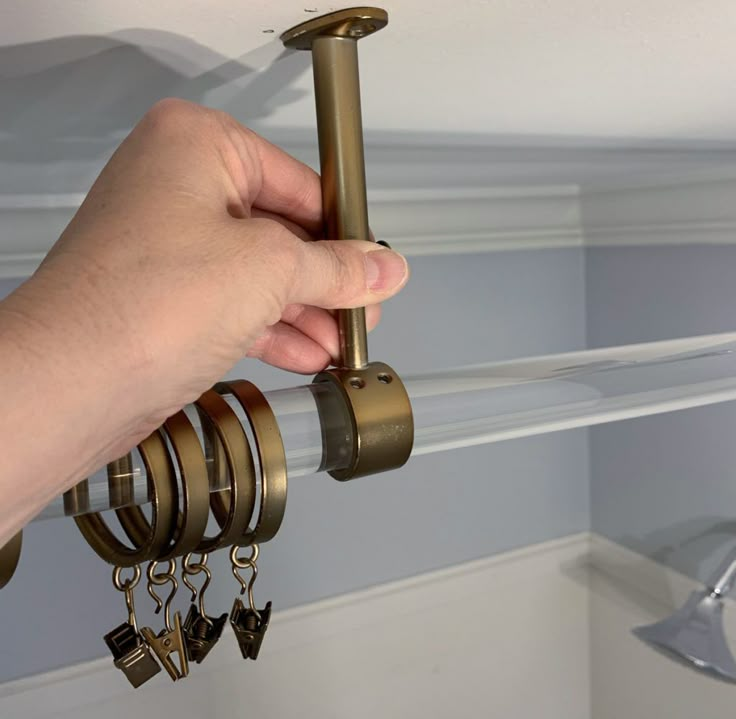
[{"x": 502, "y": 636}]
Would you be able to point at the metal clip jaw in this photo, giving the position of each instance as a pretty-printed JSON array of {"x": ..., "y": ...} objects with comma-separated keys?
[
  {"x": 131, "y": 655},
  {"x": 201, "y": 633},
  {"x": 168, "y": 642},
  {"x": 129, "y": 651},
  {"x": 250, "y": 627}
]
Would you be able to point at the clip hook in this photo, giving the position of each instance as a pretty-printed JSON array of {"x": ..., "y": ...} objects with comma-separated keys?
[
  {"x": 126, "y": 587},
  {"x": 159, "y": 580},
  {"x": 248, "y": 563},
  {"x": 188, "y": 569},
  {"x": 170, "y": 640},
  {"x": 249, "y": 624},
  {"x": 129, "y": 651},
  {"x": 201, "y": 632}
]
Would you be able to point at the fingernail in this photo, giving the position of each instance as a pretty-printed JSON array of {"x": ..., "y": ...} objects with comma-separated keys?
[{"x": 384, "y": 269}]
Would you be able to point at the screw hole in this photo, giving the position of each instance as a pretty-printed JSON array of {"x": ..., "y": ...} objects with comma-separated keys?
[
  {"x": 384, "y": 378},
  {"x": 356, "y": 383},
  {"x": 362, "y": 30}
]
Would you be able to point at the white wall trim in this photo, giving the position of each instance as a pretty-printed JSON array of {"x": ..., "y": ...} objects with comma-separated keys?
[
  {"x": 656, "y": 234},
  {"x": 445, "y": 200},
  {"x": 416, "y": 221},
  {"x": 424, "y": 646},
  {"x": 19, "y": 265},
  {"x": 665, "y": 586},
  {"x": 696, "y": 210}
]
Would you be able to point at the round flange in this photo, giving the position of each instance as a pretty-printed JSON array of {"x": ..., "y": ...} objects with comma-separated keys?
[{"x": 355, "y": 23}]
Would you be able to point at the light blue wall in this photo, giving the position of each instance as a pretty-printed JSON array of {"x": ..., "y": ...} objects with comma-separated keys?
[
  {"x": 665, "y": 485},
  {"x": 438, "y": 510}
]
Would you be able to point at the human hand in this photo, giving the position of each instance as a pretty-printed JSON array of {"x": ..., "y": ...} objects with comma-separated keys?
[{"x": 192, "y": 250}]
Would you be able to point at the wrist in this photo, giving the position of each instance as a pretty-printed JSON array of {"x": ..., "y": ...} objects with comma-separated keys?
[{"x": 69, "y": 377}]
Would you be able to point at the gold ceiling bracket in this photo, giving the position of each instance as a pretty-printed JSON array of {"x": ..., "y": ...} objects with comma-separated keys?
[
  {"x": 353, "y": 23},
  {"x": 332, "y": 39},
  {"x": 367, "y": 424}
]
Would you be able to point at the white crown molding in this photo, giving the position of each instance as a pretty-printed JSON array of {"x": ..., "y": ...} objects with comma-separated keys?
[
  {"x": 456, "y": 199},
  {"x": 663, "y": 233},
  {"x": 696, "y": 209},
  {"x": 462, "y": 220},
  {"x": 416, "y": 221}
]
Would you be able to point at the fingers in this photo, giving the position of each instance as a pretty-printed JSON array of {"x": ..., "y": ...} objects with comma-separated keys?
[
  {"x": 288, "y": 187},
  {"x": 372, "y": 317},
  {"x": 295, "y": 229},
  {"x": 209, "y": 155},
  {"x": 346, "y": 274},
  {"x": 306, "y": 340},
  {"x": 315, "y": 323},
  {"x": 321, "y": 325},
  {"x": 286, "y": 347}
]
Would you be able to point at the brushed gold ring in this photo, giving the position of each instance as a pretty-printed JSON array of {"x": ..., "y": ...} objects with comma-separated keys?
[
  {"x": 162, "y": 489},
  {"x": 232, "y": 507},
  {"x": 271, "y": 457},
  {"x": 192, "y": 517}
]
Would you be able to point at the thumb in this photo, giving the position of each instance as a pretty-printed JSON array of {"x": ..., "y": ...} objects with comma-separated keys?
[{"x": 347, "y": 273}]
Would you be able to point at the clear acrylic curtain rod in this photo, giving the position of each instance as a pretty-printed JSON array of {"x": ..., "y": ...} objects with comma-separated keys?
[{"x": 486, "y": 403}]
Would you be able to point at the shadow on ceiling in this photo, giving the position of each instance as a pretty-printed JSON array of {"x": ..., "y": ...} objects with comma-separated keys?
[
  {"x": 75, "y": 98},
  {"x": 67, "y": 102}
]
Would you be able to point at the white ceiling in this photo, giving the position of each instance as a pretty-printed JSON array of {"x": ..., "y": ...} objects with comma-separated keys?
[{"x": 590, "y": 69}]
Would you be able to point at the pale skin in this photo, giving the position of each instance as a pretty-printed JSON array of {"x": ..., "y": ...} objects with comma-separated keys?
[{"x": 194, "y": 248}]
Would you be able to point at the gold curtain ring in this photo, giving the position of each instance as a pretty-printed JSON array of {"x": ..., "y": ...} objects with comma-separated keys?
[
  {"x": 162, "y": 488},
  {"x": 232, "y": 507},
  {"x": 271, "y": 457},
  {"x": 192, "y": 518}
]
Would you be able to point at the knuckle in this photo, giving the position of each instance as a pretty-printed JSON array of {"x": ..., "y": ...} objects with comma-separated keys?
[
  {"x": 173, "y": 116},
  {"x": 167, "y": 111}
]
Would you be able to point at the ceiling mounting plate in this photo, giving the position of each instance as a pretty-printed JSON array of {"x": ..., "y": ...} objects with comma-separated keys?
[{"x": 355, "y": 23}]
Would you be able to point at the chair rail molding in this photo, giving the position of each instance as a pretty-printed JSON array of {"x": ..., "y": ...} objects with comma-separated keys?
[{"x": 388, "y": 650}]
